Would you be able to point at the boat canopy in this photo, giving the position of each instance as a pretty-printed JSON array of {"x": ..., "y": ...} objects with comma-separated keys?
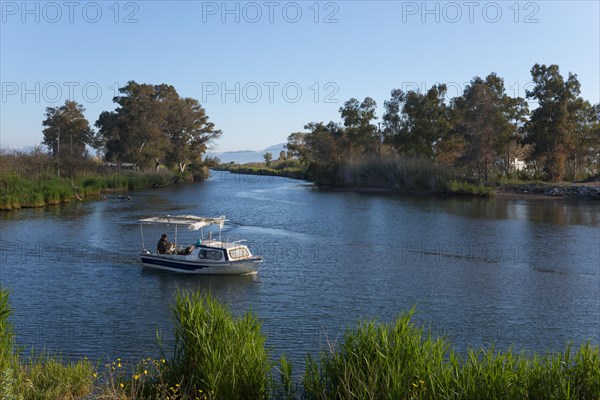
[{"x": 193, "y": 222}]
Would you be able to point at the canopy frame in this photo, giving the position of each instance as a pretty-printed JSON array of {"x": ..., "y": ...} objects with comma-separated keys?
[{"x": 192, "y": 222}]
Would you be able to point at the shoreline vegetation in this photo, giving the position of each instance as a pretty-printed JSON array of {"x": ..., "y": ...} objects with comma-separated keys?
[
  {"x": 32, "y": 192},
  {"x": 30, "y": 180},
  {"x": 392, "y": 174},
  {"x": 477, "y": 143},
  {"x": 396, "y": 360},
  {"x": 158, "y": 137},
  {"x": 418, "y": 177}
]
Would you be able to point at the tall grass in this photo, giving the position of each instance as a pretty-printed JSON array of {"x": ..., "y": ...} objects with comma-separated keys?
[
  {"x": 25, "y": 192},
  {"x": 407, "y": 175},
  {"x": 284, "y": 168},
  {"x": 216, "y": 353},
  {"x": 8, "y": 382},
  {"x": 48, "y": 377},
  {"x": 377, "y": 361},
  {"x": 395, "y": 172},
  {"x": 42, "y": 378},
  {"x": 401, "y": 361}
]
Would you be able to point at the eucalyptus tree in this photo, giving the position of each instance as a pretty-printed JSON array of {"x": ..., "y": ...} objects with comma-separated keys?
[
  {"x": 414, "y": 122},
  {"x": 361, "y": 135},
  {"x": 154, "y": 125},
  {"x": 489, "y": 121},
  {"x": 552, "y": 130},
  {"x": 66, "y": 134}
]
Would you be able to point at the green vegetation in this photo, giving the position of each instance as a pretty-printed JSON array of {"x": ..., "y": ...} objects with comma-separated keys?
[
  {"x": 285, "y": 168},
  {"x": 401, "y": 361},
  {"x": 472, "y": 138},
  {"x": 153, "y": 125},
  {"x": 21, "y": 192},
  {"x": 219, "y": 356},
  {"x": 397, "y": 173},
  {"x": 43, "y": 378},
  {"x": 153, "y": 131},
  {"x": 217, "y": 353},
  {"x": 461, "y": 187}
]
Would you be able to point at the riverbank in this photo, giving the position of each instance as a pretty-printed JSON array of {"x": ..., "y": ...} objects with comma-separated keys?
[
  {"x": 418, "y": 182},
  {"x": 542, "y": 190},
  {"x": 395, "y": 175},
  {"x": 32, "y": 192},
  {"x": 372, "y": 360},
  {"x": 284, "y": 168}
]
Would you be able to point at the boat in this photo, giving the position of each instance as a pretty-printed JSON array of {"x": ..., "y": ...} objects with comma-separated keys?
[{"x": 205, "y": 256}]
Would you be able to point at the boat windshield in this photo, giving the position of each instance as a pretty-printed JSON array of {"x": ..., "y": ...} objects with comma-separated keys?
[{"x": 239, "y": 252}]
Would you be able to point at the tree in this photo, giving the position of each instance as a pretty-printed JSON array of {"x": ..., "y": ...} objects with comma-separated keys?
[
  {"x": 268, "y": 158},
  {"x": 488, "y": 121},
  {"x": 553, "y": 124},
  {"x": 133, "y": 132},
  {"x": 296, "y": 146},
  {"x": 282, "y": 155},
  {"x": 414, "y": 123},
  {"x": 154, "y": 123},
  {"x": 585, "y": 141},
  {"x": 67, "y": 133},
  {"x": 325, "y": 150},
  {"x": 393, "y": 118},
  {"x": 189, "y": 132},
  {"x": 362, "y": 137}
]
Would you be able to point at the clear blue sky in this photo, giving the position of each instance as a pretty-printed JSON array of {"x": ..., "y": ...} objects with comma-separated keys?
[{"x": 247, "y": 62}]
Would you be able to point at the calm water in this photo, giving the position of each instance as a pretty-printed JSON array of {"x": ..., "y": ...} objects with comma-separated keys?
[{"x": 478, "y": 271}]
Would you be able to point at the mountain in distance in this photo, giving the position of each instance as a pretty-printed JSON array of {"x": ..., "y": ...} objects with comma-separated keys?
[{"x": 248, "y": 156}]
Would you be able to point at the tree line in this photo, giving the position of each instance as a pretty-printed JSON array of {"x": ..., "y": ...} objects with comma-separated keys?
[
  {"x": 151, "y": 126},
  {"x": 478, "y": 133}
]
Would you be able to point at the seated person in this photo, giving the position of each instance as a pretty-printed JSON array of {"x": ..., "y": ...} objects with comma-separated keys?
[{"x": 164, "y": 246}]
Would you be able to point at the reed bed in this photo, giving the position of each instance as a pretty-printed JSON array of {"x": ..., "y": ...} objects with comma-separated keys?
[
  {"x": 401, "y": 361},
  {"x": 396, "y": 173},
  {"x": 216, "y": 353},
  {"x": 283, "y": 168},
  {"x": 24, "y": 192}
]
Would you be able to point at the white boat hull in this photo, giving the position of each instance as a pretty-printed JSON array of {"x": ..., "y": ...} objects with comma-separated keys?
[{"x": 191, "y": 265}]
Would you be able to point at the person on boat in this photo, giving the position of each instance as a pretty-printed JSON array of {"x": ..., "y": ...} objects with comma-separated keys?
[{"x": 163, "y": 246}]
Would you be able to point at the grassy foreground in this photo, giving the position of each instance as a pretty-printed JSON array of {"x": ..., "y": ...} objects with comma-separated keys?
[
  {"x": 27, "y": 192},
  {"x": 219, "y": 356}
]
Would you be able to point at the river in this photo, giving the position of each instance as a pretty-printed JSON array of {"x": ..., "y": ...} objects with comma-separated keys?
[{"x": 497, "y": 271}]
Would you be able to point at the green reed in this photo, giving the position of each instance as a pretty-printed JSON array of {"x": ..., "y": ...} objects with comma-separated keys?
[
  {"x": 18, "y": 191},
  {"x": 396, "y": 173},
  {"x": 216, "y": 353}
]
